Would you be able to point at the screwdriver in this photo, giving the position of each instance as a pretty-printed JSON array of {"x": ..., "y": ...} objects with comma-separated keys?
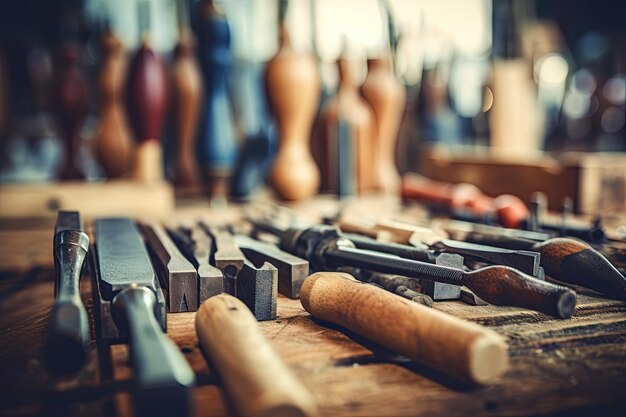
[
  {"x": 567, "y": 260},
  {"x": 326, "y": 250}
]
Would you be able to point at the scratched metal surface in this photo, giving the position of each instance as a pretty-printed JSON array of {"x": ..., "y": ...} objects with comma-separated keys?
[{"x": 558, "y": 367}]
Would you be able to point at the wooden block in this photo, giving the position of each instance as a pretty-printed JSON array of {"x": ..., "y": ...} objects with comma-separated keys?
[
  {"x": 227, "y": 258},
  {"x": 177, "y": 275},
  {"x": 258, "y": 289},
  {"x": 292, "y": 270},
  {"x": 92, "y": 199},
  {"x": 595, "y": 181}
]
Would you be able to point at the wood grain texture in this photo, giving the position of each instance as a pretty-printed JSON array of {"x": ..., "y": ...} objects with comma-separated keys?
[
  {"x": 146, "y": 97},
  {"x": 571, "y": 367},
  {"x": 257, "y": 380},
  {"x": 575, "y": 262},
  {"x": 92, "y": 199},
  {"x": 439, "y": 341},
  {"x": 387, "y": 98},
  {"x": 187, "y": 100},
  {"x": 293, "y": 87},
  {"x": 506, "y": 286},
  {"x": 114, "y": 144}
]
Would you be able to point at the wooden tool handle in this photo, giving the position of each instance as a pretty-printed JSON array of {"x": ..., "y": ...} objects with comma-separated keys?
[
  {"x": 438, "y": 340},
  {"x": 502, "y": 285},
  {"x": 257, "y": 380}
]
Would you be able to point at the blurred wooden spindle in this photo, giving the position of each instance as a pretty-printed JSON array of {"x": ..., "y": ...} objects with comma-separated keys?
[{"x": 114, "y": 145}]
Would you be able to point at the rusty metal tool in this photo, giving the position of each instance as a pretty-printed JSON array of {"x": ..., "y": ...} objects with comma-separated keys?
[
  {"x": 403, "y": 286},
  {"x": 66, "y": 345},
  {"x": 126, "y": 281},
  {"x": 525, "y": 261},
  {"x": 292, "y": 270},
  {"x": 258, "y": 289},
  {"x": 568, "y": 260},
  {"x": 177, "y": 275},
  {"x": 326, "y": 250},
  {"x": 196, "y": 245}
]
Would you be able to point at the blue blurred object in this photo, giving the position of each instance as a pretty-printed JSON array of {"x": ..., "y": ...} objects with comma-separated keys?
[
  {"x": 217, "y": 144},
  {"x": 260, "y": 141}
]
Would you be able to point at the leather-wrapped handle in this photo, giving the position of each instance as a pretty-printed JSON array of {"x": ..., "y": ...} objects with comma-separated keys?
[
  {"x": 440, "y": 341},
  {"x": 256, "y": 379}
]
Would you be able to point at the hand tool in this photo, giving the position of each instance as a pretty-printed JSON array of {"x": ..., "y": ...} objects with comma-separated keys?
[
  {"x": 227, "y": 257},
  {"x": 458, "y": 229},
  {"x": 146, "y": 98},
  {"x": 525, "y": 261},
  {"x": 293, "y": 91},
  {"x": 71, "y": 106},
  {"x": 217, "y": 145},
  {"x": 568, "y": 260},
  {"x": 187, "y": 97},
  {"x": 258, "y": 289},
  {"x": 114, "y": 145},
  {"x": 399, "y": 285},
  {"x": 433, "y": 338},
  {"x": 176, "y": 274},
  {"x": 465, "y": 200},
  {"x": 346, "y": 136},
  {"x": 393, "y": 231},
  {"x": 440, "y": 290},
  {"x": 66, "y": 345},
  {"x": 325, "y": 249},
  {"x": 384, "y": 93},
  {"x": 292, "y": 271},
  {"x": 196, "y": 245},
  {"x": 125, "y": 279},
  {"x": 255, "y": 378}
]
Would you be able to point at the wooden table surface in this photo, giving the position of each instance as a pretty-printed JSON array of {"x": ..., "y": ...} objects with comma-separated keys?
[{"x": 558, "y": 367}]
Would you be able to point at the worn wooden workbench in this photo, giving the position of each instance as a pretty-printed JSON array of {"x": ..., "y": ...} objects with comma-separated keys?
[{"x": 558, "y": 367}]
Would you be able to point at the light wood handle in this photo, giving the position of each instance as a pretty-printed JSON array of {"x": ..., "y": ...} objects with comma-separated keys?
[
  {"x": 436, "y": 339},
  {"x": 256, "y": 379}
]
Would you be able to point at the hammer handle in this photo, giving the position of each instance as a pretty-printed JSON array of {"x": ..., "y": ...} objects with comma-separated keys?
[
  {"x": 256, "y": 379},
  {"x": 443, "y": 342}
]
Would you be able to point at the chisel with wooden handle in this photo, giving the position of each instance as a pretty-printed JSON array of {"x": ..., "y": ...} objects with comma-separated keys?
[
  {"x": 66, "y": 345},
  {"x": 438, "y": 340},
  {"x": 326, "y": 250},
  {"x": 256, "y": 379},
  {"x": 162, "y": 376}
]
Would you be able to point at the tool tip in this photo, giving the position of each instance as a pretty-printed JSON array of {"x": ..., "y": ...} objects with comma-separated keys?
[{"x": 566, "y": 304}]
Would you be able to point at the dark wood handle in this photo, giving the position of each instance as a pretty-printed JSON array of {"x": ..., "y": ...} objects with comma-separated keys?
[{"x": 502, "y": 285}]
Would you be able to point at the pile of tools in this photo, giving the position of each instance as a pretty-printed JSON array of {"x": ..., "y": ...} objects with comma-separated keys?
[{"x": 361, "y": 276}]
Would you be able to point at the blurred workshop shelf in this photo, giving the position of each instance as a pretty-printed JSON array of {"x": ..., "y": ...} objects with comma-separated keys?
[{"x": 595, "y": 181}]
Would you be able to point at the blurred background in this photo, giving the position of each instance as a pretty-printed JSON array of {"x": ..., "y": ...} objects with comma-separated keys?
[{"x": 513, "y": 78}]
